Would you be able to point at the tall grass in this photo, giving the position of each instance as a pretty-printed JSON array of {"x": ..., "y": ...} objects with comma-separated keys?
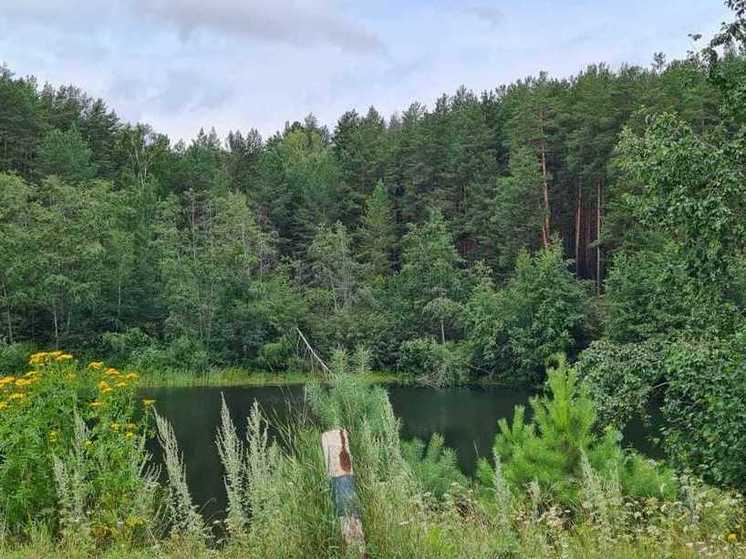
[
  {"x": 279, "y": 501},
  {"x": 183, "y": 515}
]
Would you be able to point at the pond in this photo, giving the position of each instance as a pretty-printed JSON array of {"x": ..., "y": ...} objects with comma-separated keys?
[{"x": 465, "y": 416}]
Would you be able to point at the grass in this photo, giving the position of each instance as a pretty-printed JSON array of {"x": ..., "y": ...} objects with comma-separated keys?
[
  {"x": 282, "y": 503},
  {"x": 243, "y": 377}
]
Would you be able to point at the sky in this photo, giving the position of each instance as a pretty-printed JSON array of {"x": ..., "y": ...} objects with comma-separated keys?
[{"x": 181, "y": 65}]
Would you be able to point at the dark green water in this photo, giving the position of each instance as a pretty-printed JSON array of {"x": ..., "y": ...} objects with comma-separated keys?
[{"x": 465, "y": 416}]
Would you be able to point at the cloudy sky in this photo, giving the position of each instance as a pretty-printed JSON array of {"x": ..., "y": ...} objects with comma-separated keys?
[{"x": 237, "y": 64}]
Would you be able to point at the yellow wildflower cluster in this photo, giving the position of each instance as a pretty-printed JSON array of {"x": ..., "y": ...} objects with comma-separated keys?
[
  {"x": 43, "y": 357},
  {"x": 112, "y": 379},
  {"x": 14, "y": 389}
]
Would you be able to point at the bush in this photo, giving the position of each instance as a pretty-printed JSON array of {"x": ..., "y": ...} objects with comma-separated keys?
[
  {"x": 434, "y": 363},
  {"x": 13, "y": 357},
  {"x": 704, "y": 409},
  {"x": 276, "y": 355},
  {"x": 434, "y": 465},
  {"x": 72, "y": 450},
  {"x": 622, "y": 378},
  {"x": 551, "y": 449},
  {"x": 120, "y": 347}
]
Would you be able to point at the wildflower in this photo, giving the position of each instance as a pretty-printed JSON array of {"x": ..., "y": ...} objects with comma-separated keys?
[
  {"x": 88, "y": 443},
  {"x": 111, "y": 371},
  {"x": 96, "y": 404},
  {"x": 3, "y": 405},
  {"x": 120, "y": 385},
  {"x": 22, "y": 382},
  {"x": 63, "y": 357},
  {"x": 38, "y": 357},
  {"x": 115, "y": 426},
  {"x": 17, "y": 396},
  {"x": 7, "y": 380},
  {"x": 129, "y": 435},
  {"x": 148, "y": 403},
  {"x": 96, "y": 365},
  {"x": 53, "y": 436},
  {"x": 132, "y": 376},
  {"x": 732, "y": 537}
]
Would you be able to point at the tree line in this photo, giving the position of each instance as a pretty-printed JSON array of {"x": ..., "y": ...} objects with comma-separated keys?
[{"x": 476, "y": 237}]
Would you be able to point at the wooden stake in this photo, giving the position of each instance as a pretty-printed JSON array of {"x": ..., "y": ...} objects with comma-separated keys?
[{"x": 338, "y": 460}]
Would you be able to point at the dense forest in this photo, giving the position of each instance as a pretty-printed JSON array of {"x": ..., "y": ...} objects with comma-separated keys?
[{"x": 473, "y": 238}]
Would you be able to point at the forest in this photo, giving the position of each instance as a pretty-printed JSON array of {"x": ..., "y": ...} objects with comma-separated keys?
[{"x": 588, "y": 228}]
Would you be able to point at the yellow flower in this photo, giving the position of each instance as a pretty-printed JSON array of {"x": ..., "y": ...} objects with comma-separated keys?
[
  {"x": 132, "y": 376},
  {"x": 56, "y": 353},
  {"x": 96, "y": 404},
  {"x": 111, "y": 371},
  {"x": 53, "y": 435},
  {"x": 115, "y": 426},
  {"x": 17, "y": 396},
  {"x": 120, "y": 385},
  {"x": 23, "y": 382},
  {"x": 7, "y": 380},
  {"x": 3, "y": 405},
  {"x": 103, "y": 385},
  {"x": 732, "y": 537},
  {"x": 88, "y": 443},
  {"x": 63, "y": 357},
  {"x": 106, "y": 390},
  {"x": 129, "y": 435},
  {"x": 147, "y": 402},
  {"x": 38, "y": 357},
  {"x": 96, "y": 365}
]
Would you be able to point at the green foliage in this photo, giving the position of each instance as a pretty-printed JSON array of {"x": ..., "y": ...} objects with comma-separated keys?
[
  {"x": 541, "y": 311},
  {"x": 66, "y": 155},
  {"x": 434, "y": 466},
  {"x": 14, "y": 357},
  {"x": 622, "y": 378},
  {"x": 649, "y": 293},
  {"x": 703, "y": 409},
  {"x": 434, "y": 363},
  {"x": 693, "y": 191},
  {"x": 550, "y": 450}
]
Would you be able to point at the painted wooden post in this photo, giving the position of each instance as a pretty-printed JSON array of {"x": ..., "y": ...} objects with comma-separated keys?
[{"x": 339, "y": 469}]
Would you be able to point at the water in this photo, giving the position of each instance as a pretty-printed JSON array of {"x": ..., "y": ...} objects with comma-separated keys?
[{"x": 465, "y": 416}]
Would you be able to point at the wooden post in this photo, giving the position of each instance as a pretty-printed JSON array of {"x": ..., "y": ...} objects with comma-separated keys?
[{"x": 338, "y": 460}]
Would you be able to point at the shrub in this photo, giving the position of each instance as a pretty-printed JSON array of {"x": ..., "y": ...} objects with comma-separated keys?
[
  {"x": 434, "y": 465},
  {"x": 120, "y": 347},
  {"x": 434, "y": 363},
  {"x": 550, "y": 450},
  {"x": 621, "y": 378},
  {"x": 40, "y": 421},
  {"x": 703, "y": 409},
  {"x": 13, "y": 357}
]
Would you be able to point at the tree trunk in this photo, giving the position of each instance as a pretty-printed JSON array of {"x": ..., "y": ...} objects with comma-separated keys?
[
  {"x": 545, "y": 233},
  {"x": 598, "y": 236},
  {"x": 7, "y": 314},
  {"x": 577, "y": 230}
]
